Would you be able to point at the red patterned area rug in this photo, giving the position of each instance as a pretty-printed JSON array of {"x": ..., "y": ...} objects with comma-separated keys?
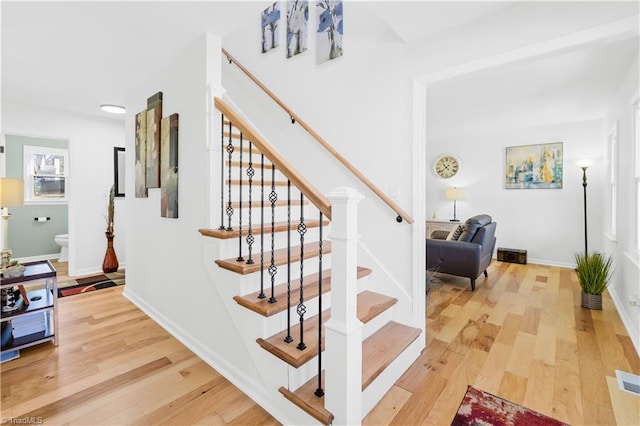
[
  {"x": 479, "y": 408},
  {"x": 84, "y": 285}
]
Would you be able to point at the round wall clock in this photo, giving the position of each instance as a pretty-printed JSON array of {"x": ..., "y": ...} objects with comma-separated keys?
[{"x": 446, "y": 166}]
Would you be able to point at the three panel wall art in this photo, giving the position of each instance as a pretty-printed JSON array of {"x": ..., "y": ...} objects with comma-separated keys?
[
  {"x": 156, "y": 152},
  {"x": 329, "y": 30}
]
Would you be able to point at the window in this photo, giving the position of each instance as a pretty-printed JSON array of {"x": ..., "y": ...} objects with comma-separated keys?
[
  {"x": 613, "y": 179},
  {"x": 45, "y": 173},
  {"x": 637, "y": 172}
]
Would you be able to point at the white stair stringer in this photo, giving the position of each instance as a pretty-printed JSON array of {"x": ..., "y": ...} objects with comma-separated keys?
[
  {"x": 274, "y": 372},
  {"x": 390, "y": 375}
]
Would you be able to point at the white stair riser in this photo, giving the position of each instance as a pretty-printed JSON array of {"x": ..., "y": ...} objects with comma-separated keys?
[
  {"x": 390, "y": 375},
  {"x": 230, "y": 248}
]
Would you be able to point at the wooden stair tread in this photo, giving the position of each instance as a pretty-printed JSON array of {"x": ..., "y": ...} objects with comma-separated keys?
[
  {"x": 257, "y": 182},
  {"x": 378, "y": 351},
  {"x": 234, "y": 135},
  {"x": 280, "y": 258},
  {"x": 370, "y": 305},
  {"x": 305, "y": 398},
  {"x": 256, "y": 167},
  {"x": 382, "y": 347},
  {"x": 267, "y": 204},
  {"x": 311, "y": 290},
  {"x": 279, "y": 227}
]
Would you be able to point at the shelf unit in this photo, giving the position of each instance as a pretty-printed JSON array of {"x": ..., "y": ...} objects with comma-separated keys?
[{"x": 42, "y": 301}]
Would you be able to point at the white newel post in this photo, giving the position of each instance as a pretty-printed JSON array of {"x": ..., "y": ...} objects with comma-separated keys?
[{"x": 343, "y": 353}]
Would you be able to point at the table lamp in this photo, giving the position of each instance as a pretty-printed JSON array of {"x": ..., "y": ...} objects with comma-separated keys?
[
  {"x": 455, "y": 194},
  {"x": 11, "y": 195}
]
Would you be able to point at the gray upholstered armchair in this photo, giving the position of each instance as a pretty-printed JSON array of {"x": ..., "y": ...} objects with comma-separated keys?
[{"x": 470, "y": 255}]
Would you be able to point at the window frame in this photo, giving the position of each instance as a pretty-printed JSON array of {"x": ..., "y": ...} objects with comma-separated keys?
[
  {"x": 612, "y": 142},
  {"x": 636, "y": 144},
  {"x": 29, "y": 173}
]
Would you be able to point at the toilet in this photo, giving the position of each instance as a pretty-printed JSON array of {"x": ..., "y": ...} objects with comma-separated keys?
[{"x": 63, "y": 241}]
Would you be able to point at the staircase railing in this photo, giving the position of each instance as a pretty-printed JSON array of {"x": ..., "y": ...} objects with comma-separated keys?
[
  {"x": 401, "y": 214},
  {"x": 234, "y": 128},
  {"x": 312, "y": 193}
]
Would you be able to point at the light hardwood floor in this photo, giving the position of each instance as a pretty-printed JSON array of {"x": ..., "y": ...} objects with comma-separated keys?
[{"x": 521, "y": 335}]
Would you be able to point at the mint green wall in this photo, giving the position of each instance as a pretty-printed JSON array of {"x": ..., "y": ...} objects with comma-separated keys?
[{"x": 27, "y": 237}]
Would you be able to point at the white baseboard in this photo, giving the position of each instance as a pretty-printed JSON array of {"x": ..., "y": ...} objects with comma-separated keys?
[
  {"x": 237, "y": 377},
  {"x": 38, "y": 258},
  {"x": 629, "y": 324}
]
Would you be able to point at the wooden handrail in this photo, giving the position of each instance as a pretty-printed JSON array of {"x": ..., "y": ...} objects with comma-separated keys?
[
  {"x": 310, "y": 191},
  {"x": 296, "y": 119}
]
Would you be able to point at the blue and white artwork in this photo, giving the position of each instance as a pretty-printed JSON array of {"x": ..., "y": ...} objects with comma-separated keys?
[
  {"x": 534, "y": 166},
  {"x": 297, "y": 26},
  {"x": 330, "y": 30},
  {"x": 270, "y": 24}
]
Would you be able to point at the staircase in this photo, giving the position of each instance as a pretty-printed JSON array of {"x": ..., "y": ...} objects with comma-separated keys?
[{"x": 329, "y": 345}]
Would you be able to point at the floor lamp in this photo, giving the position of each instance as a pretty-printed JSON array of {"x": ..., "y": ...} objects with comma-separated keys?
[
  {"x": 584, "y": 164},
  {"x": 454, "y": 194},
  {"x": 11, "y": 195}
]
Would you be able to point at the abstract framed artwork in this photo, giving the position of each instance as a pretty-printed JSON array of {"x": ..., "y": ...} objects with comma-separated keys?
[
  {"x": 169, "y": 167},
  {"x": 297, "y": 26},
  {"x": 534, "y": 166},
  {"x": 141, "y": 155},
  {"x": 154, "y": 116},
  {"x": 270, "y": 24},
  {"x": 330, "y": 30}
]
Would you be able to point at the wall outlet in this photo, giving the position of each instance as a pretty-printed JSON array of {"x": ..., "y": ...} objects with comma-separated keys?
[{"x": 393, "y": 192}]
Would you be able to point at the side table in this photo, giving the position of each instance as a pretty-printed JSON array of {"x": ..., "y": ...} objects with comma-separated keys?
[{"x": 438, "y": 225}]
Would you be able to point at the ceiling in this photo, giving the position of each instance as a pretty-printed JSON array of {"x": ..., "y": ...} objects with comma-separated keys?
[
  {"x": 576, "y": 85},
  {"x": 77, "y": 55}
]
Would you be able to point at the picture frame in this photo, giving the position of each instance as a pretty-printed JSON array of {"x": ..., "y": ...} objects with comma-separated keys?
[
  {"x": 329, "y": 31},
  {"x": 270, "y": 27},
  {"x": 534, "y": 166},
  {"x": 119, "y": 170}
]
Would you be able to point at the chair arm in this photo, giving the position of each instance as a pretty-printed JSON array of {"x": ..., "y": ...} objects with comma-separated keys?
[{"x": 454, "y": 257}]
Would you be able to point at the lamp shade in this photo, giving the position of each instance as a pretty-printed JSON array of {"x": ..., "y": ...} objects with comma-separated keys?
[
  {"x": 455, "y": 194},
  {"x": 11, "y": 192}
]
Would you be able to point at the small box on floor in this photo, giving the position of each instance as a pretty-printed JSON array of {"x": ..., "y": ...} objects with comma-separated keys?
[{"x": 512, "y": 255}]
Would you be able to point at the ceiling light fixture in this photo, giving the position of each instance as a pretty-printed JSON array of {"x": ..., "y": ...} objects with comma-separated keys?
[{"x": 114, "y": 109}]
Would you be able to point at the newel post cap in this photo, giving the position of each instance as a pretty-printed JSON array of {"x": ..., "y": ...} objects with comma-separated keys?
[{"x": 345, "y": 193}]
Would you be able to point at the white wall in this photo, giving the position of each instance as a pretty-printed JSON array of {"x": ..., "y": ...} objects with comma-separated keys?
[
  {"x": 361, "y": 103},
  {"x": 91, "y": 142},
  {"x": 626, "y": 282},
  {"x": 364, "y": 115},
  {"x": 166, "y": 276},
  {"x": 548, "y": 223}
]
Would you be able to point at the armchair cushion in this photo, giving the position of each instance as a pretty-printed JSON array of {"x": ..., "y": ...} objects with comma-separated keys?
[
  {"x": 472, "y": 225},
  {"x": 455, "y": 233}
]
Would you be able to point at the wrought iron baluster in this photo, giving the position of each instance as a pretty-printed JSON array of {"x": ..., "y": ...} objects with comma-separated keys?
[
  {"x": 301, "y": 310},
  {"x": 222, "y": 174},
  {"x": 319, "y": 391},
  {"x": 250, "y": 173},
  {"x": 288, "y": 339},
  {"x": 273, "y": 197},
  {"x": 261, "y": 295},
  {"x": 229, "y": 206},
  {"x": 240, "y": 258}
]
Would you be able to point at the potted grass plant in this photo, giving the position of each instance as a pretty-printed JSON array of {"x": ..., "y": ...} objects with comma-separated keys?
[{"x": 594, "y": 272}]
